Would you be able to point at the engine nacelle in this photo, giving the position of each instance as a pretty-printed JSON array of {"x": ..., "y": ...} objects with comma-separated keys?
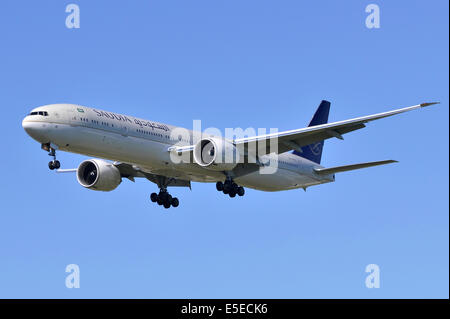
[
  {"x": 98, "y": 175},
  {"x": 216, "y": 154}
]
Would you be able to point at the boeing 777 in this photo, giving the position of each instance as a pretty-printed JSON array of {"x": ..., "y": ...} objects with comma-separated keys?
[{"x": 128, "y": 147}]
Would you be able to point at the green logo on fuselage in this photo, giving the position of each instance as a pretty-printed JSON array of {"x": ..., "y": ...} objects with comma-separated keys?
[{"x": 80, "y": 110}]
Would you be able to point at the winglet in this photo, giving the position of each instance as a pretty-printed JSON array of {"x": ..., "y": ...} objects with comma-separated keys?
[{"x": 428, "y": 104}]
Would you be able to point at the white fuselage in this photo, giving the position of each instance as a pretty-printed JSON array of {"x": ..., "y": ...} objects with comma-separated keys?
[{"x": 143, "y": 143}]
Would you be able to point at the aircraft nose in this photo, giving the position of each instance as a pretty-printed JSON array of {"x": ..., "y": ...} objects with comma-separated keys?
[
  {"x": 27, "y": 126},
  {"x": 37, "y": 130}
]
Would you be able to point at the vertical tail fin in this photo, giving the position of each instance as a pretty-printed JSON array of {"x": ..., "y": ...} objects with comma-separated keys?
[{"x": 313, "y": 152}]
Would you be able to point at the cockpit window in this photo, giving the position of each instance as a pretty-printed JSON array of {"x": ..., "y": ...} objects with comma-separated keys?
[{"x": 43, "y": 113}]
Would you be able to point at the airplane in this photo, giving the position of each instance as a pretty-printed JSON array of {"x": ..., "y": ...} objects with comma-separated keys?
[{"x": 124, "y": 146}]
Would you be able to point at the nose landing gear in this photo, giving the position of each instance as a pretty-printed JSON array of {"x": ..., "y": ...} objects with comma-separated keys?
[
  {"x": 231, "y": 188},
  {"x": 54, "y": 164}
]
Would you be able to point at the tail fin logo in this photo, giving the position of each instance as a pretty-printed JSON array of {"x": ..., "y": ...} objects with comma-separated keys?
[
  {"x": 316, "y": 148},
  {"x": 313, "y": 152}
]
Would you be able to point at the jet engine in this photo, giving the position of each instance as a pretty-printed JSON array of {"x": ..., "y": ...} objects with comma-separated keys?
[
  {"x": 216, "y": 154},
  {"x": 98, "y": 175}
]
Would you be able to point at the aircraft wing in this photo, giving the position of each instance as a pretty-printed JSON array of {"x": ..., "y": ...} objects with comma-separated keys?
[
  {"x": 295, "y": 139},
  {"x": 131, "y": 171}
]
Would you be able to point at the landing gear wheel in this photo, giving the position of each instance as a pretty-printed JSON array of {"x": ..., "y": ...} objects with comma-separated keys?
[
  {"x": 166, "y": 205},
  {"x": 56, "y": 164},
  {"x": 175, "y": 202},
  {"x": 232, "y": 194},
  {"x": 162, "y": 196},
  {"x": 240, "y": 191},
  {"x": 154, "y": 197},
  {"x": 219, "y": 186},
  {"x": 226, "y": 188}
]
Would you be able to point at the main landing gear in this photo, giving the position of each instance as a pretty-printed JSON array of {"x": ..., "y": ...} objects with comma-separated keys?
[
  {"x": 231, "y": 188},
  {"x": 164, "y": 199},
  {"x": 54, "y": 164}
]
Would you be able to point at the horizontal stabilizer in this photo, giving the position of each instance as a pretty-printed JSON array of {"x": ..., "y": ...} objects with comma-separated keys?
[{"x": 338, "y": 169}]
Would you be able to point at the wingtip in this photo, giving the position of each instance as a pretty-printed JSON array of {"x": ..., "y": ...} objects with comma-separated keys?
[{"x": 428, "y": 104}]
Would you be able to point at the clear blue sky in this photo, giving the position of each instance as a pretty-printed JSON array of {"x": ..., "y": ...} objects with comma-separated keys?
[{"x": 230, "y": 64}]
